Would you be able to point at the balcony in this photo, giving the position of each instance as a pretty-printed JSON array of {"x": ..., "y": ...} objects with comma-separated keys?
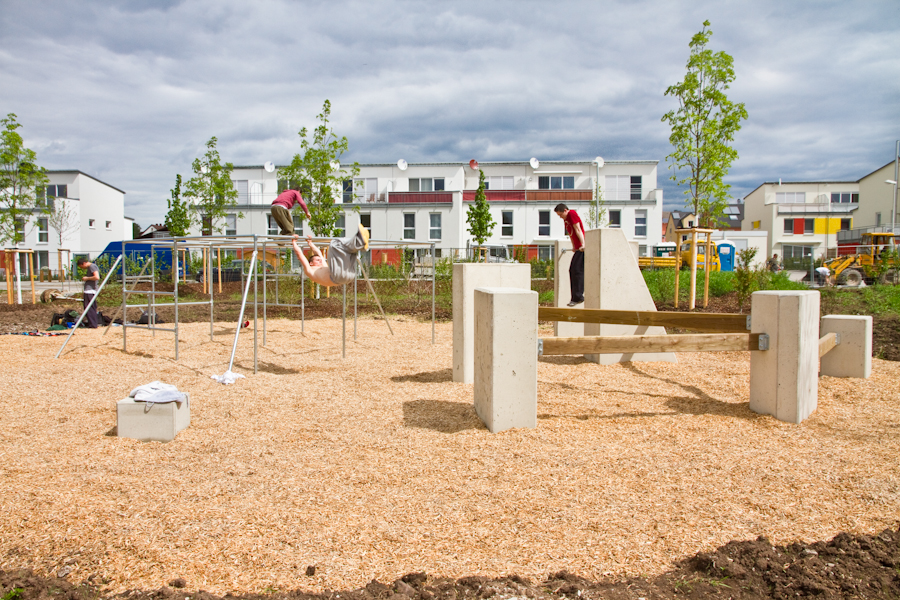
[
  {"x": 817, "y": 208},
  {"x": 530, "y": 195},
  {"x": 443, "y": 197}
]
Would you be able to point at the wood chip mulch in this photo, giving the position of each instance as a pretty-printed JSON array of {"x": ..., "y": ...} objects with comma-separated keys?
[{"x": 375, "y": 466}]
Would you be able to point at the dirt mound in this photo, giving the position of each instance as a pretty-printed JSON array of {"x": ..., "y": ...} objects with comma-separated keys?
[{"x": 865, "y": 566}]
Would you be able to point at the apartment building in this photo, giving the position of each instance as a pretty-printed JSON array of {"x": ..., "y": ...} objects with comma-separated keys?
[
  {"x": 802, "y": 218},
  {"x": 428, "y": 202}
]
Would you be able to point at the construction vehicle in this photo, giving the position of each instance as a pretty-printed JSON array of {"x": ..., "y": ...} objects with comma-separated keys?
[
  {"x": 659, "y": 262},
  {"x": 876, "y": 259}
]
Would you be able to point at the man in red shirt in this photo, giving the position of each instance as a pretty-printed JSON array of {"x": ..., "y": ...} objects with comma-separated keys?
[
  {"x": 575, "y": 230},
  {"x": 281, "y": 210}
]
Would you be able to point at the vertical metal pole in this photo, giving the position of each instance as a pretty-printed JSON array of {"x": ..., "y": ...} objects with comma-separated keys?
[
  {"x": 302, "y": 301},
  {"x": 175, "y": 280},
  {"x": 151, "y": 318},
  {"x": 255, "y": 308},
  {"x": 265, "y": 307},
  {"x": 207, "y": 276},
  {"x": 344, "y": 322},
  {"x": 433, "y": 275},
  {"x": 896, "y": 184},
  {"x": 355, "y": 308},
  {"x": 125, "y": 301}
]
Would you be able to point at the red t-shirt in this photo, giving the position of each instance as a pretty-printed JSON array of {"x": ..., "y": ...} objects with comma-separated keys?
[
  {"x": 572, "y": 220},
  {"x": 288, "y": 199}
]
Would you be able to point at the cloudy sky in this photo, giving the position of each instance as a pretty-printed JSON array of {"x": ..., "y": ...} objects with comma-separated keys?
[{"x": 129, "y": 91}]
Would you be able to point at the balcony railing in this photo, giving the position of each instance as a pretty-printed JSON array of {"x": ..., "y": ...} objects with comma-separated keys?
[
  {"x": 420, "y": 197},
  {"x": 816, "y": 208}
]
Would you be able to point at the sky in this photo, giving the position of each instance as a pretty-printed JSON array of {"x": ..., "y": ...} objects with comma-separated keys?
[{"x": 129, "y": 91}]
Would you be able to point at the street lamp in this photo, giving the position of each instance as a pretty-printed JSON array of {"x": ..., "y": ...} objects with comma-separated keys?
[{"x": 893, "y": 204}]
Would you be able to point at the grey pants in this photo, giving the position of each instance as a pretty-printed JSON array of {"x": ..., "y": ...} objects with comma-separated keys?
[{"x": 342, "y": 258}]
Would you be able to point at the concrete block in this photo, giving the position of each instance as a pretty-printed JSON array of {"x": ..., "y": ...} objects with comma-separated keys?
[
  {"x": 506, "y": 357},
  {"x": 562, "y": 253},
  {"x": 152, "y": 422},
  {"x": 467, "y": 277},
  {"x": 852, "y": 357},
  {"x": 784, "y": 379},
  {"x": 613, "y": 281}
]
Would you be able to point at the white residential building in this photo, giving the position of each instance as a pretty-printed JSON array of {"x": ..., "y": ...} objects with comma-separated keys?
[
  {"x": 802, "y": 218},
  {"x": 97, "y": 212},
  {"x": 428, "y": 202}
]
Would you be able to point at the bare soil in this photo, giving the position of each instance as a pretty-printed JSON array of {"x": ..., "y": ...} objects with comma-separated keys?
[{"x": 863, "y": 566}]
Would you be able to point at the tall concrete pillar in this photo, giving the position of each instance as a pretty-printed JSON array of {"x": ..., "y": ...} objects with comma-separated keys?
[
  {"x": 613, "y": 281},
  {"x": 852, "y": 357},
  {"x": 467, "y": 277},
  {"x": 784, "y": 379},
  {"x": 506, "y": 357},
  {"x": 562, "y": 255}
]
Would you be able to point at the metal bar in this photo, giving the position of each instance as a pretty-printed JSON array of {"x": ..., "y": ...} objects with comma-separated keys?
[
  {"x": 90, "y": 304},
  {"x": 344, "y": 321},
  {"x": 433, "y": 275},
  {"x": 374, "y": 295},
  {"x": 627, "y": 344},
  {"x": 151, "y": 327},
  {"x": 175, "y": 293},
  {"x": 253, "y": 276},
  {"x": 237, "y": 332},
  {"x": 265, "y": 311},
  {"x": 125, "y": 292}
]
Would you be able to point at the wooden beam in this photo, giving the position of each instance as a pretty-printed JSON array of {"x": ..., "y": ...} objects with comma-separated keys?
[
  {"x": 628, "y": 344},
  {"x": 827, "y": 343},
  {"x": 712, "y": 322}
]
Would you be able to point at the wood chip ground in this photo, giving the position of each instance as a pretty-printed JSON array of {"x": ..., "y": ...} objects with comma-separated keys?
[{"x": 376, "y": 465}]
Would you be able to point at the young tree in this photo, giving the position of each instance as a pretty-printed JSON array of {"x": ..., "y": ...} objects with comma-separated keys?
[
  {"x": 21, "y": 180},
  {"x": 703, "y": 128},
  {"x": 481, "y": 224},
  {"x": 597, "y": 210},
  {"x": 211, "y": 190},
  {"x": 317, "y": 174},
  {"x": 63, "y": 219},
  {"x": 179, "y": 218}
]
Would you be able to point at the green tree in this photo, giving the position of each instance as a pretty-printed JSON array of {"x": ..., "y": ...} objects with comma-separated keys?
[
  {"x": 211, "y": 190},
  {"x": 317, "y": 174},
  {"x": 21, "y": 182},
  {"x": 703, "y": 128},
  {"x": 481, "y": 224},
  {"x": 597, "y": 210},
  {"x": 179, "y": 218}
]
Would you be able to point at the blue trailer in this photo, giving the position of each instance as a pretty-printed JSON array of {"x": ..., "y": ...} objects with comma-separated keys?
[{"x": 138, "y": 253}]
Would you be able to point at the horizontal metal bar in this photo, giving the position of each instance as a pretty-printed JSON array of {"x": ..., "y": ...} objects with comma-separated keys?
[{"x": 147, "y": 327}]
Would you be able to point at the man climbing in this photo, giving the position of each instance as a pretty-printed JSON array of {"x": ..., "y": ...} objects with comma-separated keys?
[
  {"x": 575, "y": 229},
  {"x": 340, "y": 267},
  {"x": 281, "y": 210}
]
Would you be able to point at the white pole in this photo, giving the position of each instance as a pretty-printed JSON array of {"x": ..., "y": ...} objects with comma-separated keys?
[
  {"x": 91, "y": 303},
  {"x": 18, "y": 280}
]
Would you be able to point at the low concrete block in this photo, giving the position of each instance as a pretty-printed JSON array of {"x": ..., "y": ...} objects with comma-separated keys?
[
  {"x": 784, "y": 379},
  {"x": 506, "y": 357},
  {"x": 152, "y": 422},
  {"x": 852, "y": 357},
  {"x": 467, "y": 277}
]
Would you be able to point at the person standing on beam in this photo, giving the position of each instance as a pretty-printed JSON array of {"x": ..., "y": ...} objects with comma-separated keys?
[
  {"x": 575, "y": 230},
  {"x": 281, "y": 210}
]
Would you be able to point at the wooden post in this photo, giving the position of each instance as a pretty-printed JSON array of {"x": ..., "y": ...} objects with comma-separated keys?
[
  {"x": 31, "y": 271},
  {"x": 708, "y": 269},
  {"x": 692, "y": 302},
  {"x": 206, "y": 289},
  {"x": 59, "y": 265},
  {"x": 677, "y": 269}
]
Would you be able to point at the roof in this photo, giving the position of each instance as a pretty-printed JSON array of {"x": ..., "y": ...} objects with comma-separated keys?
[
  {"x": 523, "y": 163},
  {"x": 86, "y": 175}
]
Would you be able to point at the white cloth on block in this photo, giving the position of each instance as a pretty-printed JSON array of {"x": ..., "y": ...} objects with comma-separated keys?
[{"x": 157, "y": 392}]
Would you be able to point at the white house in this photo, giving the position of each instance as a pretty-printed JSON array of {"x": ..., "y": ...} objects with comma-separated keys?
[
  {"x": 428, "y": 201},
  {"x": 95, "y": 217}
]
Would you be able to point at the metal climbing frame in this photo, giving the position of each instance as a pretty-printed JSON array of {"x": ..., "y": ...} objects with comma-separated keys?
[{"x": 258, "y": 245}]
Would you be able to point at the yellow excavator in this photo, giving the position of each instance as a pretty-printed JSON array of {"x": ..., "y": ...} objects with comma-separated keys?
[{"x": 876, "y": 259}]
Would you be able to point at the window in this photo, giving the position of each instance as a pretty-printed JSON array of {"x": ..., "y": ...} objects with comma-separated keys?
[
  {"x": 499, "y": 182},
  {"x": 365, "y": 220},
  {"x": 243, "y": 189},
  {"x": 790, "y": 197},
  {"x": 788, "y": 226},
  {"x": 230, "y": 224},
  {"x": 42, "y": 258},
  {"x": 365, "y": 190},
  {"x": 544, "y": 222},
  {"x": 434, "y": 232},
  {"x": 547, "y": 182},
  {"x": 426, "y": 184},
  {"x": 298, "y": 224},
  {"x": 877, "y": 219},
  {"x": 636, "y": 187},
  {"x": 844, "y": 198},
  {"x": 506, "y": 220},
  {"x": 205, "y": 225},
  {"x": 642, "y": 250},
  {"x": 273, "y": 227},
  {"x": 52, "y": 191},
  {"x": 544, "y": 252},
  {"x": 43, "y": 231},
  {"x": 109, "y": 225},
  {"x": 845, "y": 224},
  {"x": 809, "y": 226},
  {"x": 347, "y": 193},
  {"x": 92, "y": 223},
  {"x": 640, "y": 223},
  {"x": 256, "y": 193},
  {"x": 409, "y": 226},
  {"x": 615, "y": 219},
  {"x": 340, "y": 226}
]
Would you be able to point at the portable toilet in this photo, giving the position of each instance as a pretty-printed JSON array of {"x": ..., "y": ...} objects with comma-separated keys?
[
  {"x": 726, "y": 255},
  {"x": 664, "y": 249}
]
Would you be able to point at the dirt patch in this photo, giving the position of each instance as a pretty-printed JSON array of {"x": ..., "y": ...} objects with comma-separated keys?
[{"x": 863, "y": 566}]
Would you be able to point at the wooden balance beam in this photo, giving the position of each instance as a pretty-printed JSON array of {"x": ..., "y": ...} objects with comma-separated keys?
[
  {"x": 712, "y": 322},
  {"x": 628, "y": 344}
]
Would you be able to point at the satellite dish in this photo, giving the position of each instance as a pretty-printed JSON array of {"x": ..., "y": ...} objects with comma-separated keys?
[
  {"x": 335, "y": 165},
  {"x": 535, "y": 163},
  {"x": 402, "y": 164},
  {"x": 473, "y": 164},
  {"x": 599, "y": 162},
  {"x": 269, "y": 166}
]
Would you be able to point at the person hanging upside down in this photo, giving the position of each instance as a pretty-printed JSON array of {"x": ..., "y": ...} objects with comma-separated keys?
[
  {"x": 281, "y": 210},
  {"x": 340, "y": 267}
]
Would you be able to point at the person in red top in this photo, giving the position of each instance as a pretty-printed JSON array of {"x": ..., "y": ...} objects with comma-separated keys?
[
  {"x": 281, "y": 210},
  {"x": 575, "y": 230}
]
